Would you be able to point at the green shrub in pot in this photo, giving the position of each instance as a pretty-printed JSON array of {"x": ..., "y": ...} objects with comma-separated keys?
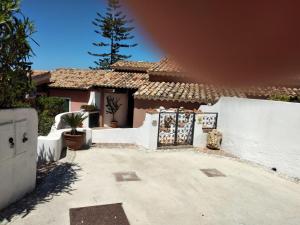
[
  {"x": 74, "y": 139},
  {"x": 88, "y": 108}
]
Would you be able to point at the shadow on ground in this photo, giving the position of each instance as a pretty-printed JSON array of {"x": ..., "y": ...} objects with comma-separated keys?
[{"x": 52, "y": 180}]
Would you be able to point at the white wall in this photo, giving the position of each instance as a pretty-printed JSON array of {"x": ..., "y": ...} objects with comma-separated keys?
[
  {"x": 114, "y": 135},
  {"x": 262, "y": 131},
  {"x": 49, "y": 147},
  {"x": 146, "y": 135},
  {"x": 198, "y": 133},
  {"x": 59, "y": 124},
  {"x": 94, "y": 99},
  {"x": 17, "y": 161}
]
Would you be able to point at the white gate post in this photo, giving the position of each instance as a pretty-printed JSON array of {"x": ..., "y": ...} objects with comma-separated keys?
[
  {"x": 198, "y": 132},
  {"x": 18, "y": 140},
  {"x": 146, "y": 135}
]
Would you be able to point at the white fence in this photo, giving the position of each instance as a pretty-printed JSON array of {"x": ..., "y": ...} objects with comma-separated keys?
[
  {"x": 146, "y": 135},
  {"x": 49, "y": 147},
  {"x": 262, "y": 131}
]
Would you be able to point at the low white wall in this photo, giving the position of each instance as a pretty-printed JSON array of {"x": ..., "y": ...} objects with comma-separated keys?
[
  {"x": 49, "y": 147},
  {"x": 262, "y": 131},
  {"x": 18, "y": 159},
  {"x": 146, "y": 135},
  {"x": 114, "y": 135}
]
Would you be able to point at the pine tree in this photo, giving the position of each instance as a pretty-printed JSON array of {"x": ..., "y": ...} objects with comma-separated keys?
[
  {"x": 114, "y": 26},
  {"x": 15, "y": 50}
]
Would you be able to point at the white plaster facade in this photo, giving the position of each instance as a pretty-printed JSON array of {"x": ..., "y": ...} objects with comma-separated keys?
[
  {"x": 18, "y": 141},
  {"x": 49, "y": 147},
  {"x": 94, "y": 99},
  {"x": 198, "y": 133},
  {"x": 145, "y": 135},
  {"x": 262, "y": 131}
]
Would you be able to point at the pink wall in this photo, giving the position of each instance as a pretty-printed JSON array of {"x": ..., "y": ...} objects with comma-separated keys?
[
  {"x": 78, "y": 97},
  {"x": 121, "y": 115}
]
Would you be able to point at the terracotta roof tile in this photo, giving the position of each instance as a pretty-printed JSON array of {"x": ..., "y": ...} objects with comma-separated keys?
[
  {"x": 40, "y": 76},
  {"x": 202, "y": 93},
  {"x": 85, "y": 79},
  {"x": 166, "y": 66},
  {"x": 269, "y": 91},
  {"x": 36, "y": 73},
  {"x": 185, "y": 92},
  {"x": 122, "y": 80},
  {"x": 74, "y": 78},
  {"x": 132, "y": 66}
]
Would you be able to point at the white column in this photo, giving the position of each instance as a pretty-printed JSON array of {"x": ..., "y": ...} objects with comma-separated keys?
[
  {"x": 199, "y": 136},
  {"x": 94, "y": 99}
]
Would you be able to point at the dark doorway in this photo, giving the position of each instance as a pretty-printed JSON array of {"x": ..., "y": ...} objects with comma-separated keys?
[{"x": 130, "y": 107}]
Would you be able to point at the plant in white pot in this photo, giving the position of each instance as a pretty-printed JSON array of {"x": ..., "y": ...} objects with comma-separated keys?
[
  {"x": 74, "y": 139},
  {"x": 112, "y": 106}
]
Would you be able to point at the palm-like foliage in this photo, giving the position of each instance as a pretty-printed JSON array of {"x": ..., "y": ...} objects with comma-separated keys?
[
  {"x": 74, "y": 120},
  {"x": 112, "y": 106}
]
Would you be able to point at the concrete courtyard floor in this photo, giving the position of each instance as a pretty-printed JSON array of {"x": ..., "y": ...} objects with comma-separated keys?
[{"x": 173, "y": 191}]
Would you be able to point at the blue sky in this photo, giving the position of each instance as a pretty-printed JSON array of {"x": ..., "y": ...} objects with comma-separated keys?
[{"x": 65, "y": 34}]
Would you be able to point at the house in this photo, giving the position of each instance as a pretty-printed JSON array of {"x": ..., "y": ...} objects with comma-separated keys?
[
  {"x": 76, "y": 86},
  {"x": 141, "y": 86},
  {"x": 169, "y": 87}
]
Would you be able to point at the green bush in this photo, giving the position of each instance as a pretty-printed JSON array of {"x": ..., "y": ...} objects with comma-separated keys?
[
  {"x": 88, "y": 108},
  {"x": 48, "y": 108},
  {"x": 45, "y": 123},
  {"x": 280, "y": 97},
  {"x": 15, "y": 52},
  {"x": 22, "y": 105},
  {"x": 53, "y": 105}
]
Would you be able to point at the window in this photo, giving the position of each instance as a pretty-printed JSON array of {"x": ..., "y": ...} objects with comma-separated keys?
[{"x": 67, "y": 104}]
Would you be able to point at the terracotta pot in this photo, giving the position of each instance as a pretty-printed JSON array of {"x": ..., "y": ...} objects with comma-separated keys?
[
  {"x": 114, "y": 124},
  {"x": 74, "y": 142}
]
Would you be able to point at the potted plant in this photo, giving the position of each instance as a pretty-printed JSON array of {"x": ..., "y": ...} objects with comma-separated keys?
[
  {"x": 74, "y": 139},
  {"x": 112, "y": 107}
]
